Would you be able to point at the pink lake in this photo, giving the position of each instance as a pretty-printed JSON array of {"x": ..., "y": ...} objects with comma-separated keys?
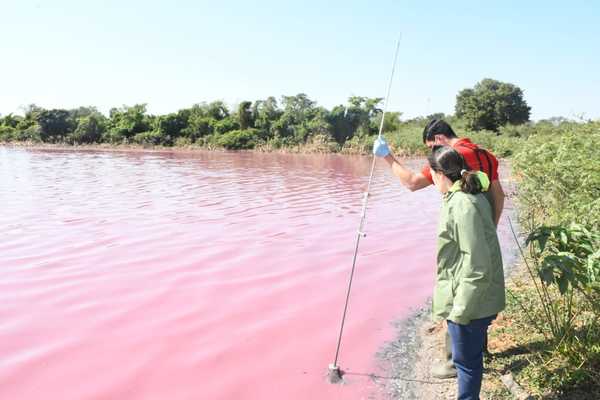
[{"x": 206, "y": 275}]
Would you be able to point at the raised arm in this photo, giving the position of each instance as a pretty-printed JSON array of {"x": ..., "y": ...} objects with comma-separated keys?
[{"x": 411, "y": 180}]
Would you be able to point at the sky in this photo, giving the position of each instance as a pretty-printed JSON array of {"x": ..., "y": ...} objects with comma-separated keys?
[{"x": 173, "y": 54}]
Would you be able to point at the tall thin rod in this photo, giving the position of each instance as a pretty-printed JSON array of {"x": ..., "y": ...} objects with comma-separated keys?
[{"x": 364, "y": 209}]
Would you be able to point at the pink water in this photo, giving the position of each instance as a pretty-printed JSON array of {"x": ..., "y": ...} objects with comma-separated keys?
[{"x": 201, "y": 276}]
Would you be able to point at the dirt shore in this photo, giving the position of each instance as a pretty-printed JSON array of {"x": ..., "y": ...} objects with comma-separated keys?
[{"x": 410, "y": 357}]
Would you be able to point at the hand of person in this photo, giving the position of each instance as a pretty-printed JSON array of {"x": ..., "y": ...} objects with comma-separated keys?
[{"x": 380, "y": 147}]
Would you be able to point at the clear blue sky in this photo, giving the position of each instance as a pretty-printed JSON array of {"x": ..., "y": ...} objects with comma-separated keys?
[{"x": 173, "y": 54}]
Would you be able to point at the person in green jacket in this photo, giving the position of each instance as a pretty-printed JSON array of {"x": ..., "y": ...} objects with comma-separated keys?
[{"x": 469, "y": 290}]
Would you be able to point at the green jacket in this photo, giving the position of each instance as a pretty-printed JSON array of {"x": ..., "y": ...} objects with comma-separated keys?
[{"x": 470, "y": 277}]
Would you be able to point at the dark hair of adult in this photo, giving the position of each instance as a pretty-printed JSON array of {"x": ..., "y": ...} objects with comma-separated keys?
[
  {"x": 437, "y": 127},
  {"x": 451, "y": 163}
]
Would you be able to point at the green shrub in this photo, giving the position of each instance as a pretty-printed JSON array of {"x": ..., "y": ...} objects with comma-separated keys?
[
  {"x": 407, "y": 140},
  {"x": 183, "y": 142},
  {"x": 321, "y": 143},
  {"x": 114, "y": 137},
  {"x": 153, "y": 138},
  {"x": 358, "y": 144},
  {"x": 559, "y": 179},
  {"x": 225, "y": 125},
  {"x": 31, "y": 134},
  {"x": 7, "y": 133},
  {"x": 238, "y": 139},
  {"x": 529, "y": 129},
  {"x": 279, "y": 142},
  {"x": 10, "y": 134},
  {"x": 88, "y": 130}
]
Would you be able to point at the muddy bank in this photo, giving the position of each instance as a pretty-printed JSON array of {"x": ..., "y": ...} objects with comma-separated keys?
[
  {"x": 410, "y": 356},
  {"x": 299, "y": 149}
]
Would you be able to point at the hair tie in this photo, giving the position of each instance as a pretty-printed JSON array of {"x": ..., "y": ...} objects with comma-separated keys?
[
  {"x": 483, "y": 180},
  {"x": 462, "y": 172}
]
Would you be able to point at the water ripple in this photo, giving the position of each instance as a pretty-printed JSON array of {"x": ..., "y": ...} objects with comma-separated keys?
[{"x": 146, "y": 275}]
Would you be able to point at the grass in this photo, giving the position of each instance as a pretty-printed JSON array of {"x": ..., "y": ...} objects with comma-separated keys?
[
  {"x": 535, "y": 362},
  {"x": 557, "y": 172}
]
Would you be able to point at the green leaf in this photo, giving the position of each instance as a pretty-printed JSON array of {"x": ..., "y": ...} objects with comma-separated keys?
[
  {"x": 546, "y": 275},
  {"x": 542, "y": 242},
  {"x": 563, "y": 284},
  {"x": 564, "y": 238}
]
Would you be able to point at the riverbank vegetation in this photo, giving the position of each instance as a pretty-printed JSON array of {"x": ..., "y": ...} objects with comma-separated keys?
[
  {"x": 549, "y": 335},
  {"x": 295, "y": 123},
  {"x": 267, "y": 124},
  {"x": 298, "y": 125}
]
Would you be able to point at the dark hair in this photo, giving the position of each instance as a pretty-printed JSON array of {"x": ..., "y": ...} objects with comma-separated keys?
[
  {"x": 437, "y": 127},
  {"x": 451, "y": 163}
]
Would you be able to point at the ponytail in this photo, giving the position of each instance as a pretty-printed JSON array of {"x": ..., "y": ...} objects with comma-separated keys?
[{"x": 470, "y": 182}]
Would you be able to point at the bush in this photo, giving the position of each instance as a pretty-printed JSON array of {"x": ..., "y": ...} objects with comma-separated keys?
[
  {"x": 10, "y": 134},
  {"x": 114, "y": 137},
  {"x": 278, "y": 142},
  {"x": 31, "y": 134},
  {"x": 559, "y": 207},
  {"x": 88, "y": 130},
  {"x": 154, "y": 138},
  {"x": 7, "y": 133},
  {"x": 225, "y": 125},
  {"x": 198, "y": 127},
  {"x": 238, "y": 139},
  {"x": 408, "y": 140},
  {"x": 126, "y": 122},
  {"x": 558, "y": 176},
  {"x": 183, "y": 142},
  {"x": 512, "y": 131},
  {"x": 172, "y": 124},
  {"x": 358, "y": 145},
  {"x": 321, "y": 143},
  {"x": 54, "y": 124}
]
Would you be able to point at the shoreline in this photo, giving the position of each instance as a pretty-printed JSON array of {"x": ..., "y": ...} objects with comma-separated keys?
[
  {"x": 168, "y": 149},
  {"x": 409, "y": 357},
  {"x": 122, "y": 148},
  {"x": 137, "y": 148}
]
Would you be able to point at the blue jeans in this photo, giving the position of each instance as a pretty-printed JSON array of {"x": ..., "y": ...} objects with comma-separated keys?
[{"x": 467, "y": 355}]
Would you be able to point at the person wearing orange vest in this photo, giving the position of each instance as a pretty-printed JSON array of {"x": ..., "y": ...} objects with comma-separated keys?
[{"x": 439, "y": 132}]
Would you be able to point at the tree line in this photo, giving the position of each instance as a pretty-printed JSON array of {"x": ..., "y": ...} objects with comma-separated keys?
[{"x": 292, "y": 121}]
